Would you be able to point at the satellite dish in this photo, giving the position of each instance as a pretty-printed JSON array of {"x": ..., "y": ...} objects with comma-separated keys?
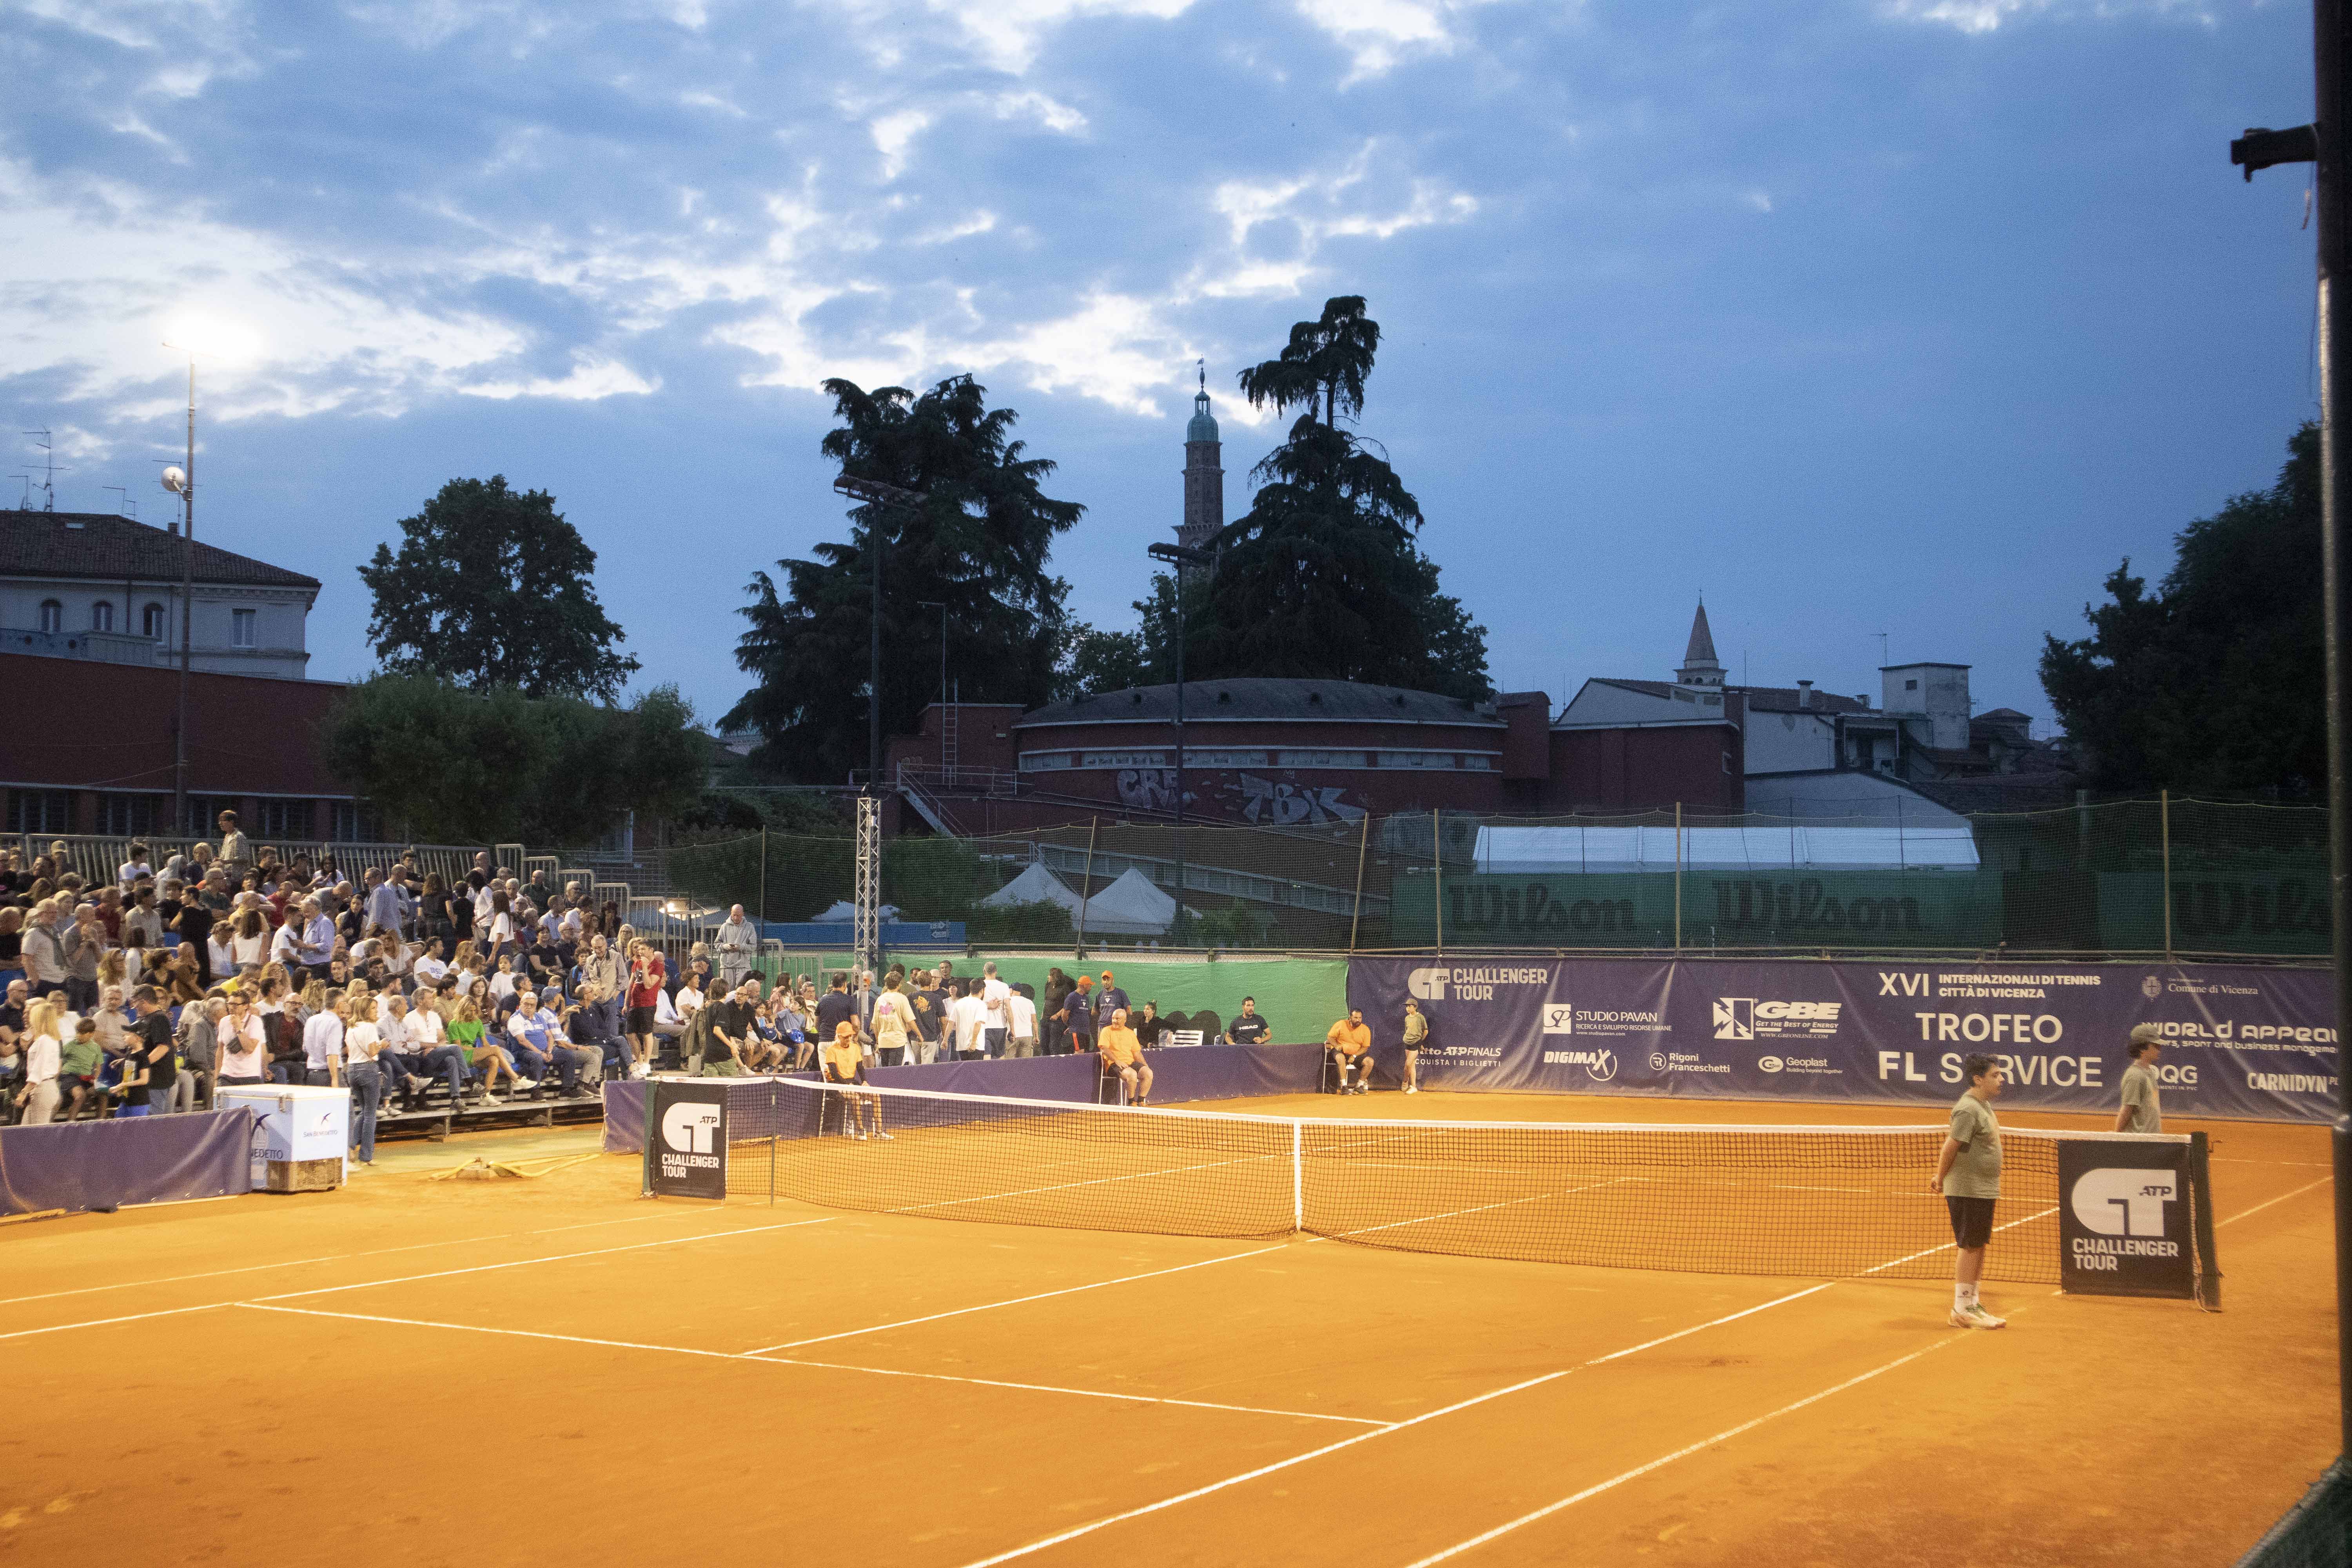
[{"x": 176, "y": 481}]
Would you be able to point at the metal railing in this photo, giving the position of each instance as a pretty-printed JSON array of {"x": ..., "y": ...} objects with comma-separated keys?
[{"x": 97, "y": 857}]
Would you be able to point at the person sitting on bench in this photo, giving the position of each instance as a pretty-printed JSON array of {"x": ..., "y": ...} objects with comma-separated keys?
[
  {"x": 1122, "y": 1054},
  {"x": 1348, "y": 1047}
]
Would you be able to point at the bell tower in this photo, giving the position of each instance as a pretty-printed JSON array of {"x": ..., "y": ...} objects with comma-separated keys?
[{"x": 1204, "y": 475}]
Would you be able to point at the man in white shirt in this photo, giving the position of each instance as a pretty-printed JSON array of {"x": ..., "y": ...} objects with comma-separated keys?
[
  {"x": 429, "y": 966},
  {"x": 322, "y": 1043},
  {"x": 136, "y": 866},
  {"x": 1024, "y": 1014},
  {"x": 315, "y": 945},
  {"x": 415, "y": 1052},
  {"x": 995, "y": 997},
  {"x": 286, "y": 946},
  {"x": 968, "y": 1014}
]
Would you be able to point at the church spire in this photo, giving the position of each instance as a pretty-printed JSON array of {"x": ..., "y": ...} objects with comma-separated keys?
[
  {"x": 1204, "y": 475},
  {"x": 1700, "y": 667}
]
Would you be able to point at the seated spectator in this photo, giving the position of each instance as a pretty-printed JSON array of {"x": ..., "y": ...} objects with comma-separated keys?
[
  {"x": 1348, "y": 1047},
  {"x": 844, "y": 1064},
  {"x": 192, "y": 1086},
  {"x": 484, "y": 1055},
  {"x": 1122, "y": 1057},
  {"x": 1249, "y": 1030},
  {"x": 81, "y": 1062},
  {"x": 596, "y": 1023},
  {"x": 726, "y": 1031},
  {"x": 1152, "y": 1029},
  {"x": 415, "y": 1051}
]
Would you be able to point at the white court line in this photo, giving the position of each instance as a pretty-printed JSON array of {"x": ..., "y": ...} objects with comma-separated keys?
[
  {"x": 332, "y": 1257},
  {"x": 1015, "y": 1301},
  {"x": 1664, "y": 1459},
  {"x": 1089, "y": 1528},
  {"x": 819, "y": 1365},
  {"x": 1093, "y": 1182},
  {"x": 1480, "y": 1208},
  {"x": 2280, "y": 1199},
  {"x": 527, "y": 1262},
  {"x": 101, "y": 1323}
]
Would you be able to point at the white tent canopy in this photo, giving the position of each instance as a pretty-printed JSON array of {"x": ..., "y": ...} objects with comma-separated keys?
[
  {"x": 846, "y": 911},
  {"x": 1037, "y": 885},
  {"x": 1130, "y": 906},
  {"x": 1782, "y": 847}
]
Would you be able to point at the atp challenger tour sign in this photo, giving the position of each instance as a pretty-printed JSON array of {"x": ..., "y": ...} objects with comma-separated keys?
[
  {"x": 686, "y": 1139},
  {"x": 2239, "y": 1040},
  {"x": 2126, "y": 1219}
]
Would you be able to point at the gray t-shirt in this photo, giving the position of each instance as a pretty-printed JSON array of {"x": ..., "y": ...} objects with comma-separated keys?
[
  {"x": 1976, "y": 1169},
  {"x": 2140, "y": 1098}
]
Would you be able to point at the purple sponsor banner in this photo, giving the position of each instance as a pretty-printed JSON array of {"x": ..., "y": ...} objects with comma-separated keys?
[
  {"x": 84, "y": 1165},
  {"x": 2240, "y": 1040}
]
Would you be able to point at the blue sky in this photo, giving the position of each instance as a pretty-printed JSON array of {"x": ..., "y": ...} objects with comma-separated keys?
[{"x": 1860, "y": 316}]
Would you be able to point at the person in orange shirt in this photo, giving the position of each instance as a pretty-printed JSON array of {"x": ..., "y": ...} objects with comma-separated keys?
[
  {"x": 1350, "y": 1043},
  {"x": 1122, "y": 1053},
  {"x": 845, "y": 1063}
]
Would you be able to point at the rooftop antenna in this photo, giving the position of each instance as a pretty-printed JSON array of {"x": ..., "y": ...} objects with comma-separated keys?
[
  {"x": 120, "y": 505},
  {"x": 48, "y": 469},
  {"x": 1882, "y": 647}
]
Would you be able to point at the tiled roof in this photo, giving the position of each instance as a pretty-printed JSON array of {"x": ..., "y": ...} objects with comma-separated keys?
[
  {"x": 1785, "y": 699},
  {"x": 114, "y": 549},
  {"x": 1264, "y": 699}
]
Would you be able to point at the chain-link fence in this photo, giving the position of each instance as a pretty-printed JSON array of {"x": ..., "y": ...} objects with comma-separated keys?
[{"x": 2143, "y": 878}]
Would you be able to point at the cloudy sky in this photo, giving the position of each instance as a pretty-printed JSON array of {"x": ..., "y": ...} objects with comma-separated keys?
[{"x": 1907, "y": 317}]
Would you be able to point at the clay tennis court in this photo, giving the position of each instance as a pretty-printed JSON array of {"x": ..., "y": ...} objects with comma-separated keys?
[{"x": 428, "y": 1372}]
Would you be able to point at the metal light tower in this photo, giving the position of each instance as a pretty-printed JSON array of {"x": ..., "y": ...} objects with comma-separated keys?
[{"x": 1179, "y": 556}]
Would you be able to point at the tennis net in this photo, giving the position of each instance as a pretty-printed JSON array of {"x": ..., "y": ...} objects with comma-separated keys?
[{"x": 1780, "y": 1200}]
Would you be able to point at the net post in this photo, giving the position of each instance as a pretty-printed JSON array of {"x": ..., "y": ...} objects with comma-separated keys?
[
  {"x": 1297, "y": 1178},
  {"x": 2200, "y": 1213}
]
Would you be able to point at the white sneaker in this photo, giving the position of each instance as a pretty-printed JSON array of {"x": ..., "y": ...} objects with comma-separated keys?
[
  {"x": 1974, "y": 1316},
  {"x": 1412, "y": 1089}
]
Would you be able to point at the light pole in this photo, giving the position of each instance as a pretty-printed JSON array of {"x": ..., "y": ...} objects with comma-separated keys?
[
  {"x": 880, "y": 496},
  {"x": 181, "y": 482},
  {"x": 942, "y": 609},
  {"x": 1181, "y": 556}
]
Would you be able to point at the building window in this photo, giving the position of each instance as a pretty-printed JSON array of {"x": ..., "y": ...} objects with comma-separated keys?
[
  {"x": 1910, "y": 685},
  {"x": 153, "y": 624},
  {"x": 283, "y": 818},
  {"x": 130, "y": 815},
  {"x": 102, "y": 615},
  {"x": 241, "y": 627},
  {"x": 40, "y": 810},
  {"x": 204, "y": 814},
  {"x": 53, "y": 616},
  {"x": 354, "y": 822}
]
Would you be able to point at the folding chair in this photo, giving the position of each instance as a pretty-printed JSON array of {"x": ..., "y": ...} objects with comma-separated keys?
[{"x": 1106, "y": 1074}]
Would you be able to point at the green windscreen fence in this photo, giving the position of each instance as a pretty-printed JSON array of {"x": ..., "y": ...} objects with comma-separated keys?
[{"x": 2190, "y": 879}]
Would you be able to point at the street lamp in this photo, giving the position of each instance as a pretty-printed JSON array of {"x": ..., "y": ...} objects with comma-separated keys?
[
  {"x": 879, "y": 496},
  {"x": 1181, "y": 556},
  {"x": 942, "y": 609},
  {"x": 181, "y": 482}
]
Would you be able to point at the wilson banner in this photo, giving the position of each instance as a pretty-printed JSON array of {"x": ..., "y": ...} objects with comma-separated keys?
[{"x": 2240, "y": 1041}]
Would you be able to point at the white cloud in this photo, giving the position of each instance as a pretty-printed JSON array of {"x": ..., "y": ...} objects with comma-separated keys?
[
  {"x": 1007, "y": 34},
  {"x": 893, "y": 133},
  {"x": 1988, "y": 16},
  {"x": 592, "y": 377},
  {"x": 1378, "y": 34}
]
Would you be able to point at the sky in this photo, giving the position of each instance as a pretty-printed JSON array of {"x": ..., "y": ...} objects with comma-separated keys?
[{"x": 1857, "y": 317}]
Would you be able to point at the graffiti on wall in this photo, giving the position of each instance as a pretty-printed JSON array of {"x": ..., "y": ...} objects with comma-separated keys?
[{"x": 1273, "y": 802}]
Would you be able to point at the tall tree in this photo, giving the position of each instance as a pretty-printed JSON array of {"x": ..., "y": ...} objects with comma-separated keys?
[
  {"x": 482, "y": 767},
  {"x": 977, "y": 542},
  {"x": 2214, "y": 682},
  {"x": 1323, "y": 576},
  {"x": 493, "y": 588}
]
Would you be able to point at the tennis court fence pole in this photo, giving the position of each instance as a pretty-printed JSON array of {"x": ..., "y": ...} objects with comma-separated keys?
[{"x": 1297, "y": 1178}]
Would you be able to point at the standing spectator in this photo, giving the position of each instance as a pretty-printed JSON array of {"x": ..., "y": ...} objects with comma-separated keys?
[
  {"x": 242, "y": 1042},
  {"x": 142, "y": 918},
  {"x": 645, "y": 995},
  {"x": 192, "y": 1088},
  {"x": 968, "y": 1015},
  {"x": 362, "y": 1043},
  {"x": 737, "y": 946},
  {"x": 930, "y": 1005},
  {"x": 235, "y": 851},
  {"x": 44, "y": 1058},
  {"x": 894, "y": 1024},
  {"x": 1968, "y": 1172},
  {"x": 1077, "y": 1018},
  {"x": 726, "y": 1029},
  {"x": 996, "y": 1020},
  {"x": 314, "y": 946},
  {"x": 1057, "y": 991},
  {"x": 45, "y": 950},
  {"x": 598, "y": 967},
  {"x": 323, "y": 1041},
  {"x": 1250, "y": 1028},
  {"x": 835, "y": 1008},
  {"x": 1022, "y": 1010},
  {"x": 138, "y": 868},
  {"x": 12, "y": 943},
  {"x": 85, "y": 944},
  {"x": 1416, "y": 1035},
  {"x": 1108, "y": 1000},
  {"x": 155, "y": 1047}
]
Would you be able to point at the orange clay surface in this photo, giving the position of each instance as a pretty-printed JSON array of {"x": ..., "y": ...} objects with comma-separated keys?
[{"x": 418, "y": 1372}]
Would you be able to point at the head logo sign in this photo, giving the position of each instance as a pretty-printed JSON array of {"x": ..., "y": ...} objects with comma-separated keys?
[
  {"x": 2124, "y": 1226},
  {"x": 685, "y": 1156}
]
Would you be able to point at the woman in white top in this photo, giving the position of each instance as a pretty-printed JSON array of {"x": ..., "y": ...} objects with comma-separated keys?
[
  {"x": 502, "y": 984},
  {"x": 43, "y": 1056},
  {"x": 241, "y": 1044},
  {"x": 500, "y": 936},
  {"x": 250, "y": 944},
  {"x": 393, "y": 950}
]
